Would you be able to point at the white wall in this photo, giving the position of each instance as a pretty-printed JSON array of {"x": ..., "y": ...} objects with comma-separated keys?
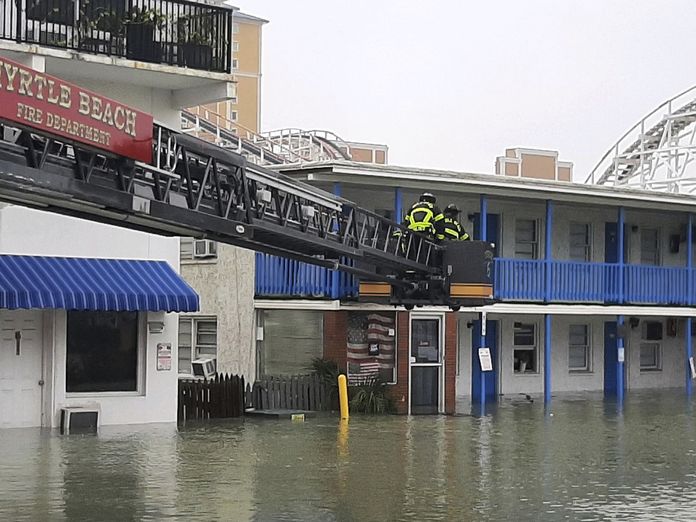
[
  {"x": 33, "y": 232},
  {"x": 156, "y": 401},
  {"x": 673, "y": 370},
  {"x": 562, "y": 379},
  {"x": 157, "y": 102}
]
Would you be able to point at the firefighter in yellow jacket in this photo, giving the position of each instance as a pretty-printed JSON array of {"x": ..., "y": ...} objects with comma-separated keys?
[
  {"x": 424, "y": 215},
  {"x": 449, "y": 228}
]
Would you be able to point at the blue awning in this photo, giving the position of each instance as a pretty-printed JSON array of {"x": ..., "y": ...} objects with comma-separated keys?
[{"x": 93, "y": 284}]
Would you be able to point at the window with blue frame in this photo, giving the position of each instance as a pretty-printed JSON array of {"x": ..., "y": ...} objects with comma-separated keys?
[{"x": 526, "y": 239}]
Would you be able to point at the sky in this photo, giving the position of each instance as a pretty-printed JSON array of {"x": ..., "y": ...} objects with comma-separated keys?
[{"x": 451, "y": 84}]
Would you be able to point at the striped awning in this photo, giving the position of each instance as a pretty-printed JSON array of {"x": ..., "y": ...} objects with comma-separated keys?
[{"x": 93, "y": 284}]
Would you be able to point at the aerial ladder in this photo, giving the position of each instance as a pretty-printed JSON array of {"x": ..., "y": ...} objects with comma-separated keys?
[{"x": 195, "y": 188}]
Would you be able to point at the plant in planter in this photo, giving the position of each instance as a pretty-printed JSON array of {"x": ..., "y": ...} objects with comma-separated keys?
[
  {"x": 140, "y": 27},
  {"x": 195, "y": 41},
  {"x": 371, "y": 397},
  {"x": 99, "y": 26}
]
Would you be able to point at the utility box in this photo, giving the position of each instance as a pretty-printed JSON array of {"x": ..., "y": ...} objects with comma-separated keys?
[{"x": 468, "y": 267}]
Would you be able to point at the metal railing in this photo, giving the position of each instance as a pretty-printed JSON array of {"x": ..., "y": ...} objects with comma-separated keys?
[
  {"x": 173, "y": 32},
  {"x": 525, "y": 280},
  {"x": 282, "y": 277}
]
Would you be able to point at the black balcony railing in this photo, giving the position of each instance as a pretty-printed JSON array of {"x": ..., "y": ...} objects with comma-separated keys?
[{"x": 181, "y": 33}]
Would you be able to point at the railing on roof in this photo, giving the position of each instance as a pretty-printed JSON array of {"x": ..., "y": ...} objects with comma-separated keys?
[
  {"x": 173, "y": 32},
  {"x": 574, "y": 282}
]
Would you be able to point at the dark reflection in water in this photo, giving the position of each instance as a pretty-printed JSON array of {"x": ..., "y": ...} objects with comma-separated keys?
[{"x": 580, "y": 461}]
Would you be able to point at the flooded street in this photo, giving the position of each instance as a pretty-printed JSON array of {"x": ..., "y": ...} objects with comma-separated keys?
[{"x": 584, "y": 462}]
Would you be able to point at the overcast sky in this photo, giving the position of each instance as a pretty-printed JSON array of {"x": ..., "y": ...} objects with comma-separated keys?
[{"x": 451, "y": 84}]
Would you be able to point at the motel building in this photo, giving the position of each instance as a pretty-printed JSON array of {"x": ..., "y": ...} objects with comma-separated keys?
[
  {"x": 112, "y": 348},
  {"x": 594, "y": 291}
]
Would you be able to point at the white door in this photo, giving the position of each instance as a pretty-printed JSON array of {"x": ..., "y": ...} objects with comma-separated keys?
[{"x": 21, "y": 344}]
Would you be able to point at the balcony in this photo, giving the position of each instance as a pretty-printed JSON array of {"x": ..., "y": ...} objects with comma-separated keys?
[
  {"x": 286, "y": 278},
  {"x": 178, "y": 33},
  {"x": 525, "y": 280}
]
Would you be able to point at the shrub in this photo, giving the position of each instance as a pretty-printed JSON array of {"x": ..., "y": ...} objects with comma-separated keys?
[{"x": 370, "y": 397}]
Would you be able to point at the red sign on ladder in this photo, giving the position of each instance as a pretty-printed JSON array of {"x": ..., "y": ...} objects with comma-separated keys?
[{"x": 49, "y": 104}]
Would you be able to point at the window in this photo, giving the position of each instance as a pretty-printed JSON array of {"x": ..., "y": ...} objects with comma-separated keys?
[
  {"x": 649, "y": 246},
  {"x": 235, "y": 47},
  {"x": 235, "y": 28},
  {"x": 580, "y": 243},
  {"x": 524, "y": 354},
  {"x": 371, "y": 345},
  {"x": 233, "y": 115},
  {"x": 650, "y": 356},
  {"x": 650, "y": 346},
  {"x": 579, "y": 351},
  {"x": 235, "y": 63},
  {"x": 197, "y": 340},
  {"x": 102, "y": 352},
  {"x": 526, "y": 239},
  {"x": 197, "y": 249},
  {"x": 291, "y": 340}
]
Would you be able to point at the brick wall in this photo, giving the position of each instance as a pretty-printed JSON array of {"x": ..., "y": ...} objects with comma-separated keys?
[
  {"x": 450, "y": 361},
  {"x": 399, "y": 391},
  {"x": 336, "y": 337}
]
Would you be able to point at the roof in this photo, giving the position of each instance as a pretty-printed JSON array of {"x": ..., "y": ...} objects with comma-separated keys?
[
  {"x": 38, "y": 282},
  {"x": 489, "y": 184},
  {"x": 238, "y": 15}
]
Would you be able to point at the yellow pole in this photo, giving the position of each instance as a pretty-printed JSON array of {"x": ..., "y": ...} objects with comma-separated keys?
[{"x": 343, "y": 396}]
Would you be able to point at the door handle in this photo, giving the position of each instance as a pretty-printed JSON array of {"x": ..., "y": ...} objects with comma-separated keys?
[{"x": 41, "y": 382}]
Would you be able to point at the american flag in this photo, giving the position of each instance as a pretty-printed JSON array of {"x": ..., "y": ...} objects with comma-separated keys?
[{"x": 365, "y": 330}]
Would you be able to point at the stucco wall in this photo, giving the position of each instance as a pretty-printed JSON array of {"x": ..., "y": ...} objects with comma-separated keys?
[{"x": 226, "y": 288}]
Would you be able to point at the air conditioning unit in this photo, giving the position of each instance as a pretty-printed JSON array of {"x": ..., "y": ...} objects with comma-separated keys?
[
  {"x": 203, "y": 248},
  {"x": 76, "y": 419},
  {"x": 205, "y": 368}
]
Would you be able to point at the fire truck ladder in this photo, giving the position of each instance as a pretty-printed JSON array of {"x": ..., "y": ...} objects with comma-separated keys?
[{"x": 194, "y": 188}]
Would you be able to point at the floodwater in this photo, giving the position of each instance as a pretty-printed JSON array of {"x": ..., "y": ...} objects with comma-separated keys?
[{"x": 583, "y": 462}]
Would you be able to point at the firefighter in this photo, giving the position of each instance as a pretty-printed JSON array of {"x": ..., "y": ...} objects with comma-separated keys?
[
  {"x": 449, "y": 227},
  {"x": 424, "y": 216}
]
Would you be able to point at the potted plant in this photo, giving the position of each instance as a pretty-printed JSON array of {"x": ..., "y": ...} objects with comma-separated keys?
[
  {"x": 100, "y": 27},
  {"x": 140, "y": 26},
  {"x": 195, "y": 42}
]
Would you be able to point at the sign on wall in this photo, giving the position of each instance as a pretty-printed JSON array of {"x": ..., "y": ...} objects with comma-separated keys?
[
  {"x": 164, "y": 356},
  {"x": 47, "y": 103},
  {"x": 485, "y": 359}
]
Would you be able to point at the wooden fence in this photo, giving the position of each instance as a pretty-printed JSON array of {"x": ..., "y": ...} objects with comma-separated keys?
[
  {"x": 218, "y": 398},
  {"x": 298, "y": 392}
]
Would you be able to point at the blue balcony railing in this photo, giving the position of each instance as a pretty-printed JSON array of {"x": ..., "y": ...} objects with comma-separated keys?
[
  {"x": 525, "y": 280},
  {"x": 280, "y": 277}
]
